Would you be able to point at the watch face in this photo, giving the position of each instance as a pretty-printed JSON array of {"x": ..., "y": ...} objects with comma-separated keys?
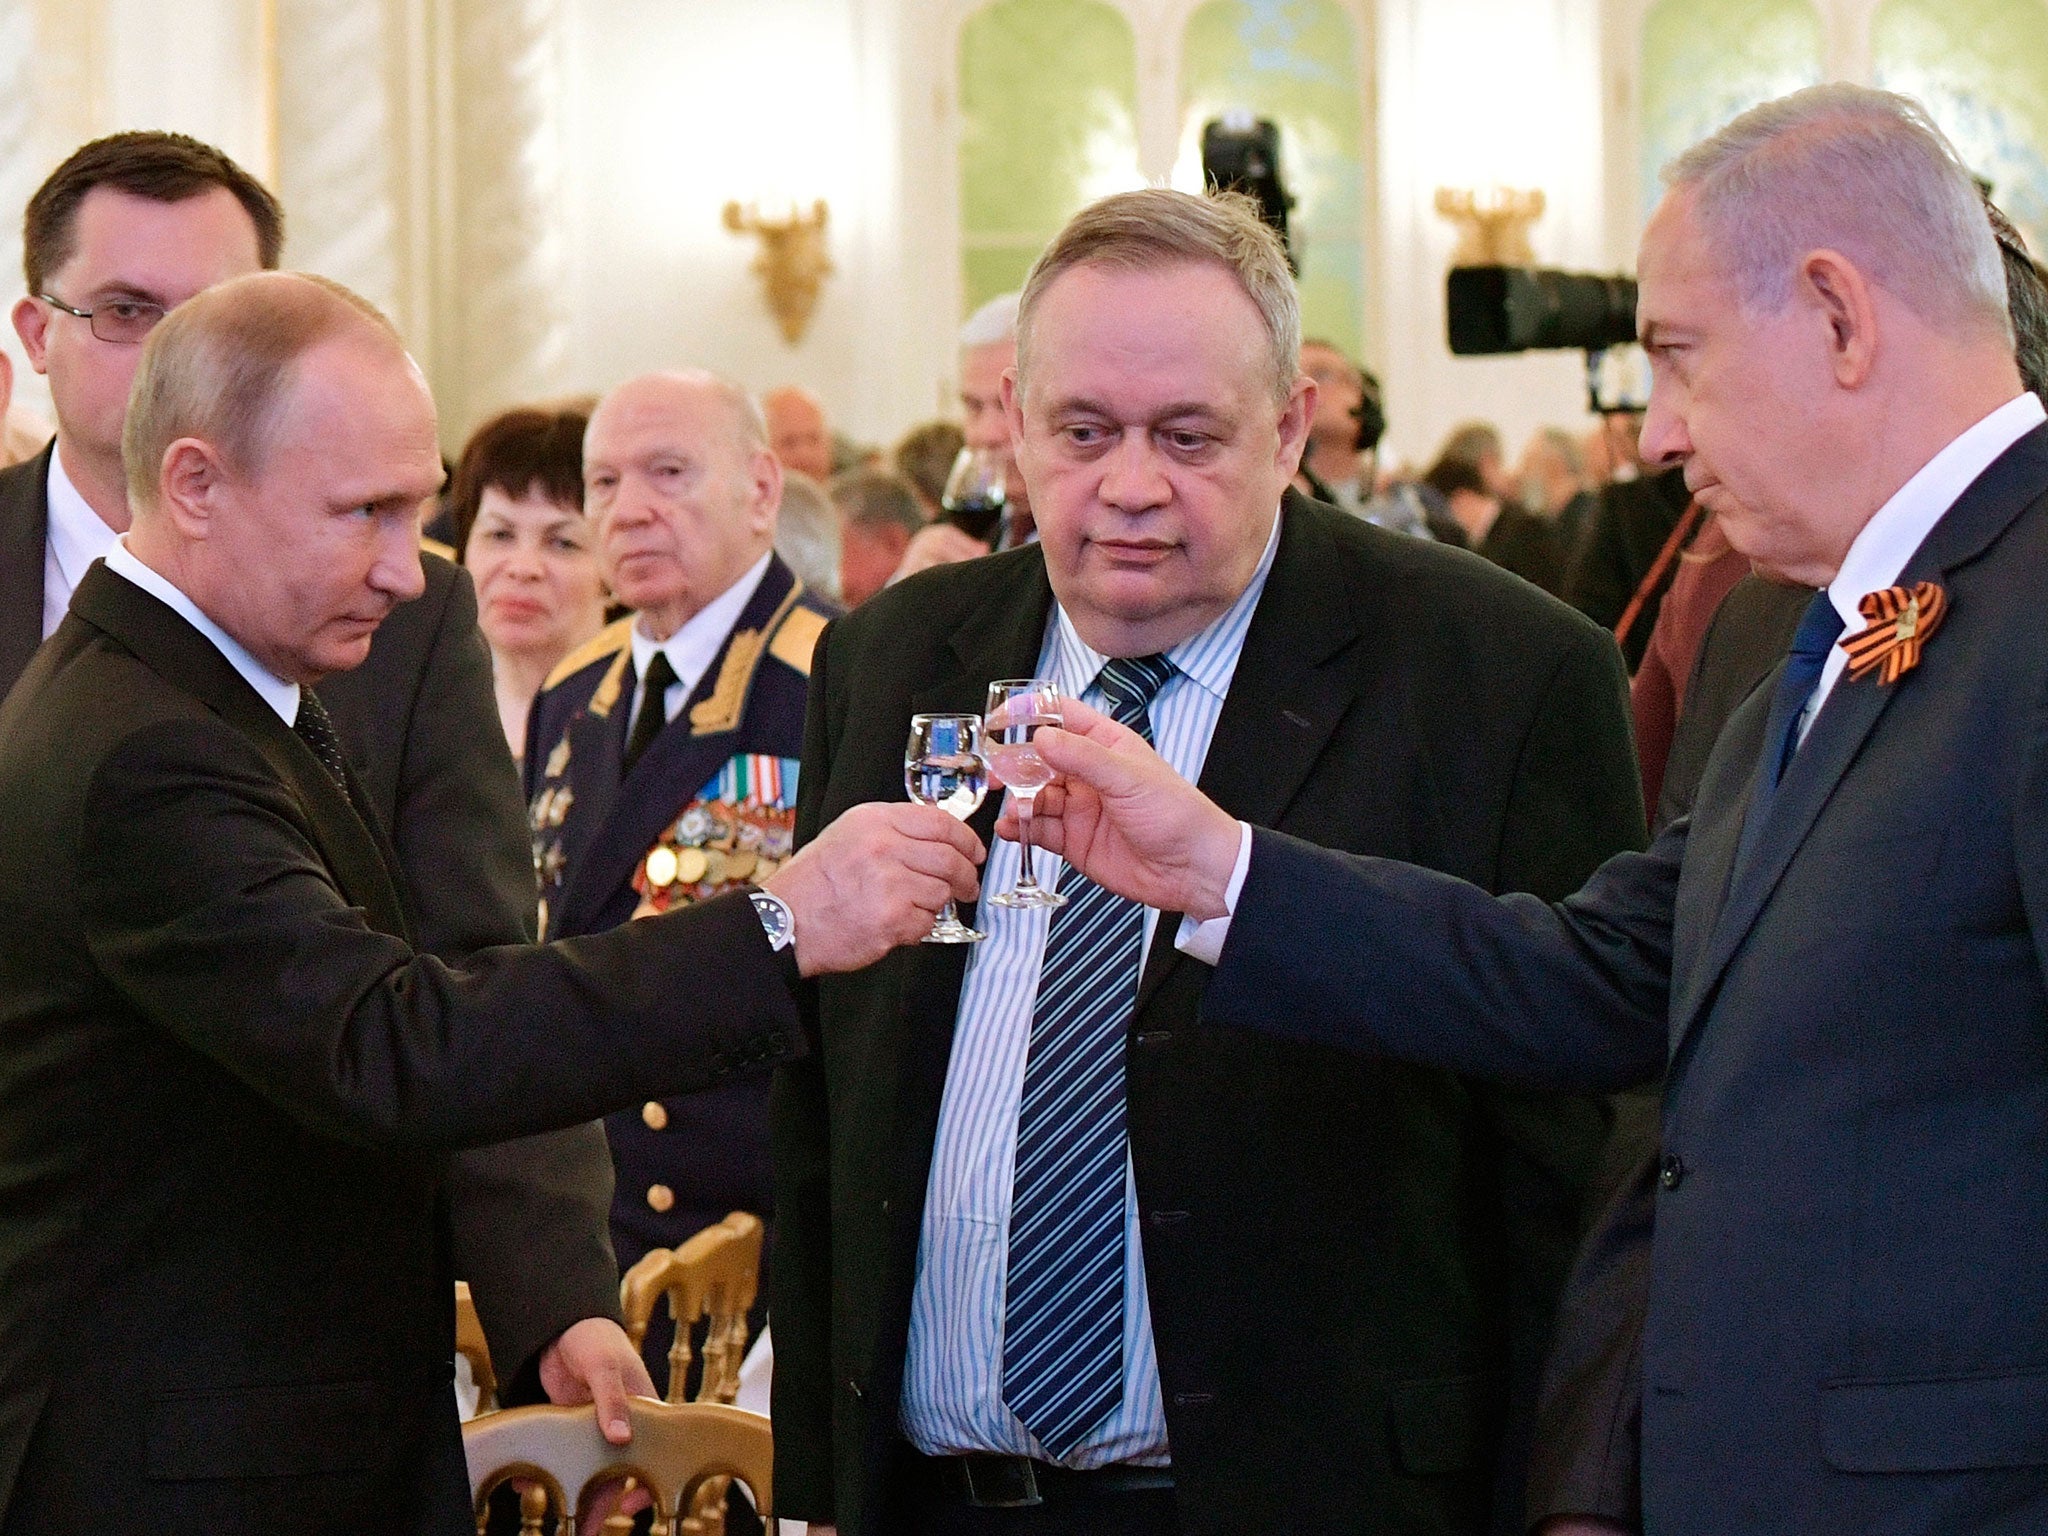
[{"x": 775, "y": 919}]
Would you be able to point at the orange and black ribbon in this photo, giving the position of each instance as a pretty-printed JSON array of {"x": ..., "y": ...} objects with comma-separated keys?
[{"x": 1900, "y": 621}]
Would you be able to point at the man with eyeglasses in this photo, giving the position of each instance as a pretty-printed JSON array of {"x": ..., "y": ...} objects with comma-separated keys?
[{"x": 126, "y": 229}]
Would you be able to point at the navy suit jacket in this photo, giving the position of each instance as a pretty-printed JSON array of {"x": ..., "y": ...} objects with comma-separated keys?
[
  {"x": 704, "y": 1154},
  {"x": 1848, "y": 1325}
]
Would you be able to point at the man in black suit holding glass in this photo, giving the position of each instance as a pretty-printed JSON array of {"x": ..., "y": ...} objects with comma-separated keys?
[
  {"x": 229, "y": 1081},
  {"x": 1284, "y": 1278}
]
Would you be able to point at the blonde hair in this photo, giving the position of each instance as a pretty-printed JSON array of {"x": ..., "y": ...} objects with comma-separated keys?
[
  {"x": 221, "y": 367},
  {"x": 1157, "y": 228}
]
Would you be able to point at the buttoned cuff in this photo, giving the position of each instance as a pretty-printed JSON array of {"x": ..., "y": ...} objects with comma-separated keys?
[{"x": 1203, "y": 940}]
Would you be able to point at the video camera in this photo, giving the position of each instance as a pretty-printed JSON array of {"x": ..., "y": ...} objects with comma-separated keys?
[
  {"x": 1241, "y": 153},
  {"x": 1495, "y": 310}
]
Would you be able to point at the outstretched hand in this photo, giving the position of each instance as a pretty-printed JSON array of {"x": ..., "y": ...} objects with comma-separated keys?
[
  {"x": 1120, "y": 815},
  {"x": 873, "y": 880}
]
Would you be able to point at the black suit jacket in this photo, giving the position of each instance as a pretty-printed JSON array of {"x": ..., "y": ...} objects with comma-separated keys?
[
  {"x": 417, "y": 721},
  {"x": 1616, "y": 548},
  {"x": 1350, "y": 1264},
  {"x": 227, "y": 1089},
  {"x": 1848, "y": 1321},
  {"x": 1587, "y": 1455}
]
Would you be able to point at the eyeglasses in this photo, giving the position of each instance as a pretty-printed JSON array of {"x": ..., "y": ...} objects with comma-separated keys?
[{"x": 121, "y": 321}]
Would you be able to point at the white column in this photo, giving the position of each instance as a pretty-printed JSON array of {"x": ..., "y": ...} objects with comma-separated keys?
[
  {"x": 507, "y": 335},
  {"x": 336, "y": 129}
]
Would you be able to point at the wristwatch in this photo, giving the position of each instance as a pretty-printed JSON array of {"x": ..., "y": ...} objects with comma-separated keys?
[{"x": 777, "y": 921}]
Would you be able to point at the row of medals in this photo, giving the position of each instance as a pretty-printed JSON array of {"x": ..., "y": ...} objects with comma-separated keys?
[{"x": 716, "y": 845}]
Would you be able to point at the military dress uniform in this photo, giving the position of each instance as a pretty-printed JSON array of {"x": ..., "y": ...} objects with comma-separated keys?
[{"x": 709, "y": 805}]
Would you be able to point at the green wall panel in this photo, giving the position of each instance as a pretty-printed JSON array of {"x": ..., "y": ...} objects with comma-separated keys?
[
  {"x": 1048, "y": 123},
  {"x": 1294, "y": 61},
  {"x": 1981, "y": 68},
  {"x": 1706, "y": 61}
]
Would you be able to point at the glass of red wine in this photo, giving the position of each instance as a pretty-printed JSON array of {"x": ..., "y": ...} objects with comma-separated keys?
[
  {"x": 1017, "y": 707},
  {"x": 977, "y": 490}
]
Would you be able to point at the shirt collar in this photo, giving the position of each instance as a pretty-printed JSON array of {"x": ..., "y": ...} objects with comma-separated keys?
[
  {"x": 692, "y": 648},
  {"x": 1207, "y": 659},
  {"x": 1901, "y": 526},
  {"x": 280, "y": 695},
  {"x": 77, "y": 534}
]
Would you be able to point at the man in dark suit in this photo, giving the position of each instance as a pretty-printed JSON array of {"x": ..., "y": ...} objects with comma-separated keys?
[
  {"x": 1326, "y": 1280},
  {"x": 1837, "y": 959},
  {"x": 662, "y": 758},
  {"x": 133, "y": 225},
  {"x": 229, "y": 1077},
  {"x": 1584, "y": 1471}
]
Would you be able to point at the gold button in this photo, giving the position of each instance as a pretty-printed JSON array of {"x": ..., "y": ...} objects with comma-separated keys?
[
  {"x": 660, "y": 1196},
  {"x": 655, "y": 1114}
]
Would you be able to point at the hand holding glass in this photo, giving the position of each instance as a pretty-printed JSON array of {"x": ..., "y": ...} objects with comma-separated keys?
[
  {"x": 943, "y": 766},
  {"x": 1017, "y": 707}
]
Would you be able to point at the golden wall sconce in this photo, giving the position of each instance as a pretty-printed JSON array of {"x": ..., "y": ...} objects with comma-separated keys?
[
  {"x": 1493, "y": 226},
  {"x": 793, "y": 263}
]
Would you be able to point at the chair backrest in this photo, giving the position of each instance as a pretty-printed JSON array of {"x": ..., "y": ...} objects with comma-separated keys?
[
  {"x": 679, "y": 1451},
  {"x": 471, "y": 1345},
  {"x": 714, "y": 1275}
]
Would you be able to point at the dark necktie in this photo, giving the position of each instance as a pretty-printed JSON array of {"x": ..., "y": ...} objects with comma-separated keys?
[
  {"x": 1816, "y": 636},
  {"x": 653, "y": 709},
  {"x": 315, "y": 728},
  {"x": 1064, "y": 1296}
]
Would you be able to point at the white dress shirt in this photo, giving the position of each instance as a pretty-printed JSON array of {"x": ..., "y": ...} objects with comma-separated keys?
[
  {"x": 77, "y": 537},
  {"x": 1892, "y": 537},
  {"x": 1884, "y": 547},
  {"x": 280, "y": 695},
  {"x": 693, "y": 648},
  {"x": 953, "y": 1373}
]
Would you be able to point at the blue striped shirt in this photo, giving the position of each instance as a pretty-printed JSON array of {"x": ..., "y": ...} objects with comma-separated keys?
[{"x": 953, "y": 1376}]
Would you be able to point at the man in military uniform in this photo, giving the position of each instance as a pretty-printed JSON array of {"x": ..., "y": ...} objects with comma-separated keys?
[{"x": 662, "y": 757}]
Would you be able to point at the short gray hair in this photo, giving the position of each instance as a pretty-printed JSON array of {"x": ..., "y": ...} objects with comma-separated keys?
[
  {"x": 1157, "y": 228},
  {"x": 995, "y": 321},
  {"x": 807, "y": 533},
  {"x": 1860, "y": 171},
  {"x": 869, "y": 498},
  {"x": 221, "y": 367}
]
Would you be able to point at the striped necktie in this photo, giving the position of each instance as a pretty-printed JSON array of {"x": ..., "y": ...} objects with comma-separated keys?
[{"x": 1064, "y": 1297}]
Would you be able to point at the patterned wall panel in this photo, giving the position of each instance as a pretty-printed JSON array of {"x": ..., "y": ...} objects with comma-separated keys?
[
  {"x": 1705, "y": 61},
  {"x": 1981, "y": 67},
  {"x": 1048, "y": 123},
  {"x": 1294, "y": 61}
]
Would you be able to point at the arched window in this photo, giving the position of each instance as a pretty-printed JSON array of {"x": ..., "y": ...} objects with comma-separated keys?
[
  {"x": 1048, "y": 123},
  {"x": 1706, "y": 61},
  {"x": 1981, "y": 68},
  {"x": 1296, "y": 62}
]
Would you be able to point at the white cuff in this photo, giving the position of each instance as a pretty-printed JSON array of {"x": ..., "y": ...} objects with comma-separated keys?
[{"x": 1203, "y": 940}]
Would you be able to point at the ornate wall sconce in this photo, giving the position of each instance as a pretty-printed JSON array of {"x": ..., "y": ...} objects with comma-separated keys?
[
  {"x": 793, "y": 262},
  {"x": 1493, "y": 226}
]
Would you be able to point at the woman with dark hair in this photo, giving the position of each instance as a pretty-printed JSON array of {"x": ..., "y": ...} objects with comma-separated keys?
[{"x": 517, "y": 509}]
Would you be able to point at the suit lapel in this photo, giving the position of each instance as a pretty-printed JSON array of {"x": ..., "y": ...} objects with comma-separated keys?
[
  {"x": 188, "y": 661},
  {"x": 1284, "y": 703},
  {"x": 24, "y": 533},
  {"x": 1851, "y": 712}
]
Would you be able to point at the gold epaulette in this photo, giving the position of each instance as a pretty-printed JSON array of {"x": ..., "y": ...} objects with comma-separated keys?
[
  {"x": 609, "y": 641},
  {"x": 436, "y": 547},
  {"x": 797, "y": 638},
  {"x": 728, "y": 700}
]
